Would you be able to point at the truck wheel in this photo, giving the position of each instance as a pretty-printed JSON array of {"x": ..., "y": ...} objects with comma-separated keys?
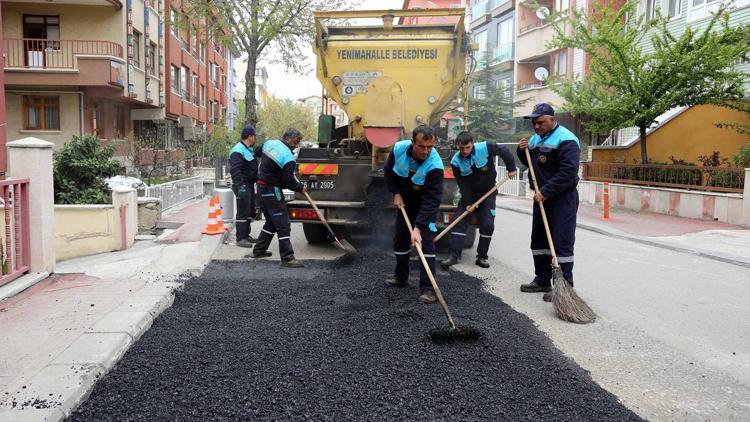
[
  {"x": 471, "y": 236},
  {"x": 315, "y": 233}
]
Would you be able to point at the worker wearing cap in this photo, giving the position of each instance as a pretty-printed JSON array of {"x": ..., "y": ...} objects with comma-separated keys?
[
  {"x": 244, "y": 170},
  {"x": 474, "y": 169},
  {"x": 555, "y": 154},
  {"x": 414, "y": 175},
  {"x": 276, "y": 172}
]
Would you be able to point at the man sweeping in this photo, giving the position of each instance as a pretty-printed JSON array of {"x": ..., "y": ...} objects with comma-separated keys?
[
  {"x": 244, "y": 170},
  {"x": 276, "y": 172},
  {"x": 474, "y": 169},
  {"x": 414, "y": 175},
  {"x": 555, "y": 154}
]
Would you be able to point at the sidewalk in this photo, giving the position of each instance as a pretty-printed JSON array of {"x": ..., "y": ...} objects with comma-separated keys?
[
  {"x": 61, "y": 335},
  {"x": 710, "y": 239}
]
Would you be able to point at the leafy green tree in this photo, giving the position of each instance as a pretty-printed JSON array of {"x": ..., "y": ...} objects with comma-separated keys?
[
  {"x": 742, "y": 128},
  {"x": 259, "y": 26},
  {"x": 279, "y": 114},
  {"x": 491, "y": 116},
  {"x": 80, "y": 168},
  {"x": 628, "y": 85}
]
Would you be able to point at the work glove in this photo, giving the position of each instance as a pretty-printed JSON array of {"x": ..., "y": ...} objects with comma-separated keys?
[{"x": 242, "y": 191}]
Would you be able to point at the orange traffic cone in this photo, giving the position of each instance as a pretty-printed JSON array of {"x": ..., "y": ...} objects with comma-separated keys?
[
  {"x": 213, "y": 226},
  {"x": 219, "y": 214}
]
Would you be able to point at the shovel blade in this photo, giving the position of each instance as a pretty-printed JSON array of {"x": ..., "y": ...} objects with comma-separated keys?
[{"x": 344, "y": 245}]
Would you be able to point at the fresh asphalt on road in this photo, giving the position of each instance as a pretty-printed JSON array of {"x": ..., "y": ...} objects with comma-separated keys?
[{"x": 248, "y": 341}]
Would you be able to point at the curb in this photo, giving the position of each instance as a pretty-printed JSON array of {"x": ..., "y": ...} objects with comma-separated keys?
[
  {"x": 20, "y": 284},
  {"x": 638, "y": 239},
  {"x": 76, "y": 370}
]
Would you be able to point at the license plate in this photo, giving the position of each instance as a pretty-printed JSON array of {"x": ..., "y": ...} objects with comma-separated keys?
[{"x": 320, "y": 184}]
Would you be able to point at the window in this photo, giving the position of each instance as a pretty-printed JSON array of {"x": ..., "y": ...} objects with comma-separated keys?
[
  {"x": 481, "y": 39},
  {"x": 203, "y": 52},
  {"x": 41, "y": 113},
  {"x": 202, "y": 98},
  {"x": 211, "y": 111},
  {"x": 119, "y": 123},
  {"x": 194, "y": 88},
  {"x": 671, "y": 8},
  {"x": 174, "y": 22},
  {"x": 562, "y": 5},
  {"x": 175, "y": 76},
  {"x": 96, "y": 120},
  {"x": 46, "y": 29},
  {"x": 560, "y": 63},
  {"x": 504, "y": 48},
  {"x": 478, "y": 92},
  {"x": 136, "y": 48},
  {"x": 184, "y": 83},
  {"x": 152, "y": 59},
  {"x": 700, "y": 9}
]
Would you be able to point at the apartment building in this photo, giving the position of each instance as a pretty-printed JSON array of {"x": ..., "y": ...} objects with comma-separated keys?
[
  {"x": 261, "y": 86},
  {"x": 430, "y": 4},
  {"x": 492, "y": 26},
  {"x": 232, "y": 81},
  {"x": 74, "y": 68}
]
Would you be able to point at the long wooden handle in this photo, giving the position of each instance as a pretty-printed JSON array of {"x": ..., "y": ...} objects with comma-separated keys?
[
  {"x": 320, "y": 214},
  {"x": 428, "y": 271},
  {"x": 475, "y": 204},
  {"x": 541, "y": 208}
]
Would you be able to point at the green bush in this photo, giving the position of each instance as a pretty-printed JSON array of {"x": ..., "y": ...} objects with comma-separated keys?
[
  {"x": 727, "y": 179},
  {"x": 742, "y": 159},
  {"x": 80, "y": 168}
]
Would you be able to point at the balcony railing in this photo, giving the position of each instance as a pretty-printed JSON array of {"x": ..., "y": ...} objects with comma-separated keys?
[
  {"x": 503, "y": 52},
  {"x": 529, "y": 85},
  {"x": 37, "y": 53},
  {"x": 716, "y": 179}
]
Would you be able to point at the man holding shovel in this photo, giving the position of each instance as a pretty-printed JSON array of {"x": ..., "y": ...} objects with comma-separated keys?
[
  {"x": 474, "y": 169},
  {"x": 555, "y": 154},
  {"x": 414, "y": 175},
  {"x": 276, "y": 172}
]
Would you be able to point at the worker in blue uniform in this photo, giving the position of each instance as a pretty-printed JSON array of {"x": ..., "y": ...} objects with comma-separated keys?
[
  {"x": 555, "y": 154},
  {"x": 276, "y": 172},
  {"x": 414, "y": 175},
  {"x": 474, "y": 169},
  {"x": 244, "y": 170}
]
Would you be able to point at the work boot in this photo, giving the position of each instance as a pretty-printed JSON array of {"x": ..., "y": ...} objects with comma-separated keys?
[
  {"x": 245, "y": 243},
  {"x": 547, "y": 297},
  {"x": 261, "y": 254},
  {"x": 536, "y": 286},
  {"x": 292, "y": 263},
  {"x": 448, "y": 262},
  {"x": 482, "y": 262},
  {"x": 392, "y": 281},
  {"x": 427, "y": 296}
]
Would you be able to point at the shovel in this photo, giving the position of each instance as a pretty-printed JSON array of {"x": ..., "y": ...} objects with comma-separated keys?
[
  {"x": 341, "y": 244},
  {"x": 474, "y": 205}
]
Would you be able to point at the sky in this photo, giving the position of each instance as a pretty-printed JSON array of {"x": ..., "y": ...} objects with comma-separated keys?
[{"x": 288, "y": 85}]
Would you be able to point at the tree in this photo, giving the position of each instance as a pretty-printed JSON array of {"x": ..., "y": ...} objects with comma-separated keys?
[
  {"x": 286, "y": 26},
  {"x": 742, "y": 128},
  {"x": 80, "y": 168},
  {"x": 491, "y": 115},
  {"x": 279, "y": 114},
  {"x": 629, "y": 85}
]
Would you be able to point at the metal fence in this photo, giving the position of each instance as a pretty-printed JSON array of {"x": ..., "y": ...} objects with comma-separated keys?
[
  {"x": 516, "y": 186},
  {"x": 53, "y": 53},
  {"x": 176, "y": 192},
  {"x": 15, "y": 250},
  {"x": 714, "y": 179}
]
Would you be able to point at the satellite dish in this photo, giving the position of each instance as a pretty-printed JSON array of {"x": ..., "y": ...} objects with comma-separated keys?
[
  {"x": 541, "y": 74},
  {"x": 542, "y": 13}
]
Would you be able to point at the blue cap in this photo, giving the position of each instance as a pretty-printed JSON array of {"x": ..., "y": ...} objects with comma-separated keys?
[
  {"x": 541, "y": 109},
  {"x": 247, "y": 131}
]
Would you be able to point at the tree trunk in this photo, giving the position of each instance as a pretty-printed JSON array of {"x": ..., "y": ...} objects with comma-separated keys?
[
  {"x": 251, "y": 115},
  {"x": 644, "y": 154}
]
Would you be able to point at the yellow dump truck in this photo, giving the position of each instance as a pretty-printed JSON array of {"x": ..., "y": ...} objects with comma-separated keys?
[{"x": 388, "y": 78}]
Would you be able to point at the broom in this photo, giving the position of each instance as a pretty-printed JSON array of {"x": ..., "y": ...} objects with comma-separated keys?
[
  {"x": 454, "y": 332},
  {"x": 568, "y": 305}
]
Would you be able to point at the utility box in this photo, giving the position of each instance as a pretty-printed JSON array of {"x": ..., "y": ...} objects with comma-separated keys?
[{"x": 227, "y": 201}]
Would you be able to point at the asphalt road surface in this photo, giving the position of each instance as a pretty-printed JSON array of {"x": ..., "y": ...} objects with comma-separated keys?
[{"x": 248, "y": 341}]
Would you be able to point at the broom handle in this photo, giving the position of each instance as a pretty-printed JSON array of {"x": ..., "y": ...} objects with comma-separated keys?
[
  {"x": 475, "y": 204},
  {"x": 320, "y": 214},
  {"x": 541, "y": 208},
  {"x": 429, "y": 272}
]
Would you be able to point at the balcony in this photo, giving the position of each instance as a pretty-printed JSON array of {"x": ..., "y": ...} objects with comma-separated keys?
[
  {"x": 36, "y": 61},
  {"x": 480, "y": 9}
]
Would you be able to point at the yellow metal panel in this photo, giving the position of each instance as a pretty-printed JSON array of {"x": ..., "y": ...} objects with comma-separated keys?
[{"x": 384, "y": 105}]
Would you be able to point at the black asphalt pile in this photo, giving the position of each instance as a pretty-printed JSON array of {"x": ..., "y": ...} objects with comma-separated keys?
[{"x": 248, "y": 341}]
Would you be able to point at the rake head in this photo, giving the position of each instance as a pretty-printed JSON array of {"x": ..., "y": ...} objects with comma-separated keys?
[{"x": 450, "y": 334}]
